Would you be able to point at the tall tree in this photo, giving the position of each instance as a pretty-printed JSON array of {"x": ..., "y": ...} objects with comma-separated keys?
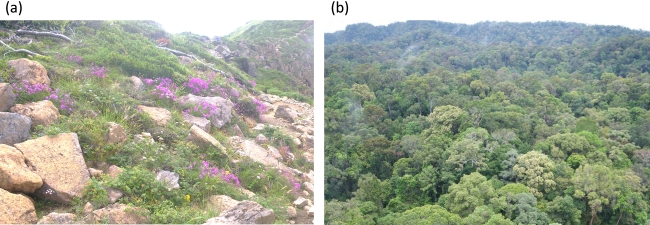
[
  {"x": 428, "y": 214},
  {"x": 536, "y": 171},
  {"x": 596, "y": 185},
  {"x": 472, "y": 191},
  {"x": 470, "y": 150},
  {"x": 564, "y": 211}
]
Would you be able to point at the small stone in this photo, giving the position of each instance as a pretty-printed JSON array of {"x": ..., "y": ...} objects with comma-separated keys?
[
  {"x": 88, "y": 208},
  {"x": 201, "y": 138},
  {"x": 58, "y": 218},
  {"x": 7, "y": 97},
  {"x": 160, "y": 116},
  {"x": 116, "y": 133},
  {"x": 238, "y": 131},
  {"x": 169, "y": 178},
  {"x": 259, "y": 126},
  {"x": 308, "y": 187},
  {"x": 103, "y": 166},
  {"x": 286, "y": 113},
  {"x": 95, "y": 172},
  {"x": 185, "y": 60},
  {"x": 114, "y": 194},
  {"x": 248, "y": 193},
  {"x": 274, "y": 152},
  {"x": 137, "y": 83},
  {"x": 201, "y": 122},
  {"x": 114, "y": 171},
  {"x": 300, "y": 202},
  {"x": 261, "y": 139},
  {"x": 292, "y": 212},
  {"x": 144, "y": 137},
  {"x": 120, "y": 214},
  {"x": 222, "y": 202},
  {"x": 245, "y": 212}
]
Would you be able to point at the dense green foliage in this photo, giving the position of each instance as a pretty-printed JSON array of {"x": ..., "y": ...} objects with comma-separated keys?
[{"x": 491, "y": 123}]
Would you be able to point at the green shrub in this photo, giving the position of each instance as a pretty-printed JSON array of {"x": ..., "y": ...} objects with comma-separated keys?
[
  {"x": 134, "y": 53},
  {"x": 141, "y": 187},
  {"x": 247, "y": 107},
  {"x": 95, "y": 194}
]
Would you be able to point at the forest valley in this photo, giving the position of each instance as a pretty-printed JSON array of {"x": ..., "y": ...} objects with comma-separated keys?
[{"x": 430, "y": 122}]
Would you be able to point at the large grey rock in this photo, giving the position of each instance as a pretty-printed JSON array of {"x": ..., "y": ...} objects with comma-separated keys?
[
  {"x": 15, "y": 176},
  {"x": 286, "y": 113},
  {"x": 223, "y": 113},
  {"x": 246, "y": 212},
  {"x": 169, "y": 178},
  {"x": 14, "y": 128},
  {"x": 41, "y": 112},
  {"x": 16, "y": 208},
  {"x": 59, "y": 162},
  {"x": 7, "y": 97},
  {"x": 58, "y": 218},
  {"x": 200, "y": 122},
  {"x": 116, "y": 134},
  {"x": 29, "y": 70}
]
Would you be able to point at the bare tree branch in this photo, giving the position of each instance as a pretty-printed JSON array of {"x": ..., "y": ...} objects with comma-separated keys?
[
  {"x": 49, "y": 34},
  {"x": 19, "y": 50}
]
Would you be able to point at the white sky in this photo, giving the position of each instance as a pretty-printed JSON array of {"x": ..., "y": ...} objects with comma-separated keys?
[{"x": 176, "y": 26}]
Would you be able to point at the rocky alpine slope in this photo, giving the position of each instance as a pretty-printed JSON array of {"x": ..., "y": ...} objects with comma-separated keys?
[{"x": 91, "y": 133}]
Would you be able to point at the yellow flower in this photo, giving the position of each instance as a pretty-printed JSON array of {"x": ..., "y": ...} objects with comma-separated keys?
[
  {"x": 187, "y": 198},
  {"x": 227, "y": 172}
]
